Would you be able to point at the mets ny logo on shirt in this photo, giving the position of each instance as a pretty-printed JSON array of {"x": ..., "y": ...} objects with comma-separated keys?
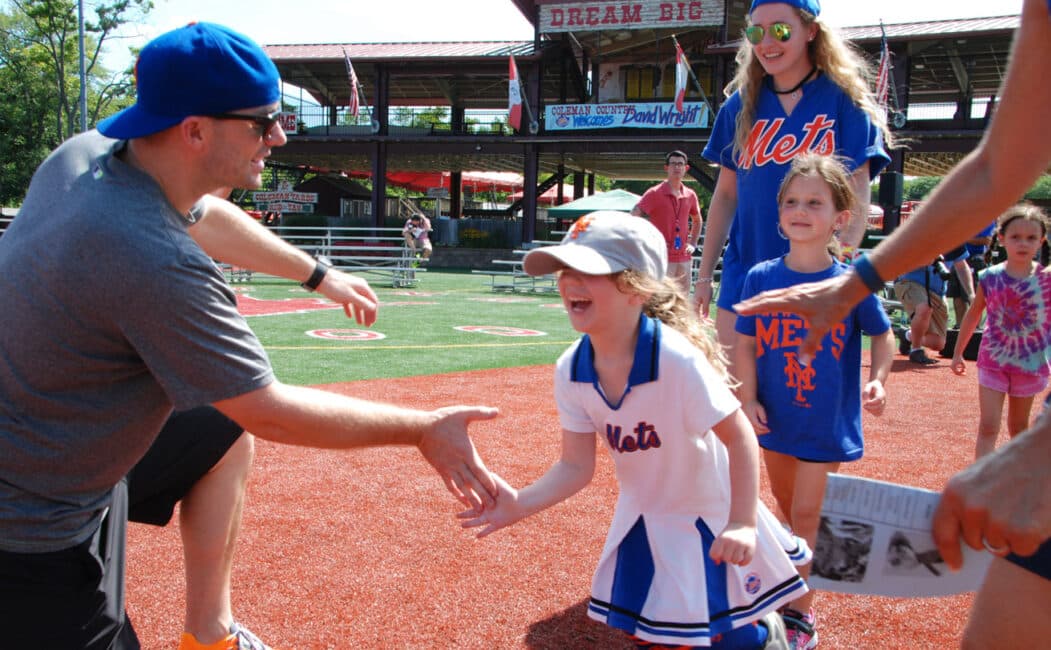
[
  {"x": 643, "y": 437},
  {"x": 785, "y": 332}
]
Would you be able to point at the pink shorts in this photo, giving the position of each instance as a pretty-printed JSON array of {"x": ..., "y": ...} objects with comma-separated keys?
[{"x": 1015, "y": 384}]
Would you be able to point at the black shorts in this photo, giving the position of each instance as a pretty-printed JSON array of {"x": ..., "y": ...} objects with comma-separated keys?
[
  {"x": 74, "y": 598},
  {"x": 189, "y": 445}
]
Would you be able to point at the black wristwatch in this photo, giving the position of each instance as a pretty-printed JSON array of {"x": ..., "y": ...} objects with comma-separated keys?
[{"x": 320, "y": 270}]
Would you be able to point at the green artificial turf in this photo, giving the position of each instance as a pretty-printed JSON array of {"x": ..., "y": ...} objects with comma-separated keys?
[{"x": 419, "y": 330}]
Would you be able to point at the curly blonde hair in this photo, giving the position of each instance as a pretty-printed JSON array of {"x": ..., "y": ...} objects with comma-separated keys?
[
  {"x": 842, "y": 62},
  {"x": 666, "y": 302}
]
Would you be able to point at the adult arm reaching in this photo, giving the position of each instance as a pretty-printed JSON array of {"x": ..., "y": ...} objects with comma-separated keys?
[
  {"x": 717, "y": 229},
  {"x": 314, "y": 418}
]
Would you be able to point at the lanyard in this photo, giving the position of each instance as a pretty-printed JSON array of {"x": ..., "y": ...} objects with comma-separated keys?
[{"x": 675, "y": 202}]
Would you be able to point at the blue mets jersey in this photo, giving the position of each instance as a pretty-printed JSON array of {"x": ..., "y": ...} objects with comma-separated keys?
[
  {"x": 813, "y": 412},
  {"x": 655, "y": 579},
  {"x": 826, "y": 120}
]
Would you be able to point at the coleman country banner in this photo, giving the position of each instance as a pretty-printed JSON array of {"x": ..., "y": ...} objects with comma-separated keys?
[{"x": 656, "y": 115}]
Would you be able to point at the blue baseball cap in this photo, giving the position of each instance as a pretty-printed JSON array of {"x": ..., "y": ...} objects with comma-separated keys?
[
  {"x": 812, "y": 7},
  {"x": 199, "y": 69}
]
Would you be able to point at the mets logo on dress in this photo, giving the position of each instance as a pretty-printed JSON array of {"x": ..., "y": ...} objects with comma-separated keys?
[{"x": 644, "y": 436}]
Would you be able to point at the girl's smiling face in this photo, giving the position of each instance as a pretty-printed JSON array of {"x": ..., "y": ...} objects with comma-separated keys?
[
  {"x": 595, "y": 303},
  {"x": 807, "y": 212},
  {"x": 790, "y": 58}
]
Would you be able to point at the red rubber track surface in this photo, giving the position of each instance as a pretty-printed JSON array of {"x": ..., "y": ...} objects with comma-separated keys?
[{"x": 356, "y": 549}]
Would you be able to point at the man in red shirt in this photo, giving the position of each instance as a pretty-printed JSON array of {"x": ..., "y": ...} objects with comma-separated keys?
[{"x": 674, "y": 209}]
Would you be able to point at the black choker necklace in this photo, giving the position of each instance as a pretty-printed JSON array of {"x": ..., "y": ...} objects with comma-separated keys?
[{"x": 795, "y": 87}]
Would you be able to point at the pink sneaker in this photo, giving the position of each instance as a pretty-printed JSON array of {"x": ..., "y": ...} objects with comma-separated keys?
[{"x": 799, "y": 628}]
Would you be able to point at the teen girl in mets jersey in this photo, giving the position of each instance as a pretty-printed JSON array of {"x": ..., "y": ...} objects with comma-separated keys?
[
  {"x": 799, "y": 88},
  {"x": 808, "y": 417},
  {"x": 692, "y": 558}
]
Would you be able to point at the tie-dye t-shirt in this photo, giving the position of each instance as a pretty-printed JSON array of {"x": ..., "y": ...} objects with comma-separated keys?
[{"x": 1017, "y": 337}]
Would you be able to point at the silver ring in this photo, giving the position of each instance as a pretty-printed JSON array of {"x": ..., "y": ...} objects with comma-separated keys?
[{"x": 996, "y": 550}]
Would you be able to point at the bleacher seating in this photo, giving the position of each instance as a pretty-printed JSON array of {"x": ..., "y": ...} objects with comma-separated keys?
[{"x": 366, "y": 250}]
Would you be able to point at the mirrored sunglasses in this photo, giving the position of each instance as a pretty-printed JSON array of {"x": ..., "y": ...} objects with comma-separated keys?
[{"x": 778, "y": 31}]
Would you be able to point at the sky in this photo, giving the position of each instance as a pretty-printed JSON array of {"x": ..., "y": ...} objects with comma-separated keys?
[{"x": 272, "y": 22}]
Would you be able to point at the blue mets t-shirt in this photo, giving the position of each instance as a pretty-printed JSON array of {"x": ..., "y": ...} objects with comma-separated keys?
[
  {"x": 813, "y": 412},
  {"x": 826, "y": 120}
]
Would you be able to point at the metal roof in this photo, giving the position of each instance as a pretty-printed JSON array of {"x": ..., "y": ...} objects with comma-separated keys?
[
  {"x": 422, "y": 74},
  {"x": 398, "y": 51},
  {"x": 934, "y": 28}
]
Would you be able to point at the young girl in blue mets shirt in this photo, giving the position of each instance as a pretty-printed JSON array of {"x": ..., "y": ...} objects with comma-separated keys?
[
  {"x": 692, "y": 557},
  {"x": 808, "y": 417}
]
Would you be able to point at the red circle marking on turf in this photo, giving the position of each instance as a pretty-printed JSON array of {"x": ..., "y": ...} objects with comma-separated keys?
[
  {"x": 345, "y": 335},
  {"x": 499, "y": 330}
]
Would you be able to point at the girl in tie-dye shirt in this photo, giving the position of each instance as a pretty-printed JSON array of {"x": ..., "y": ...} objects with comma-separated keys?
[{"x": 1015, "y": 356}]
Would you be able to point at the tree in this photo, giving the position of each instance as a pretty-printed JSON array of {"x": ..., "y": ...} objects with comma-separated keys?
[
  {"x": 24, "y": 109},
  {"x": 53, "y": 27},
  {"x": 917, "y": 189},
  {"x": 40, "y": 77},
  {"x": 1041, "y": 191}
]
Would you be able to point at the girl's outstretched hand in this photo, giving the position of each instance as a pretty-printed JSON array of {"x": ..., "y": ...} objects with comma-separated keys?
[
  {"x": 504, "y": 513},
  {"x": 735, "y": 545}
]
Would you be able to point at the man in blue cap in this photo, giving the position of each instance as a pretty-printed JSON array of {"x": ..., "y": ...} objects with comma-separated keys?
[{"x": 114, "y": 314}]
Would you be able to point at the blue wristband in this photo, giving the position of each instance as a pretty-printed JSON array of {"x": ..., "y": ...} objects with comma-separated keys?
[{"x": 867, "y": 273}]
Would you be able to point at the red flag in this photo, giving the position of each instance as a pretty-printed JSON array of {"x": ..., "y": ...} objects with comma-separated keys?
[
  {"x": 883, "y": 74},
  {"x": 514, "y": 97},
  {"x": 353, "y": 77},
  {"x": 682, "y": 72}
]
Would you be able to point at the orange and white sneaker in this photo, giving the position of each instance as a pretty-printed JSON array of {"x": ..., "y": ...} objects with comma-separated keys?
[{"x": 240, "y": 638}]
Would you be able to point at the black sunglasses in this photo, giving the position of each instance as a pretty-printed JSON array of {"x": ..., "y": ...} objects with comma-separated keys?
[
  {"x": 778, "y": 31},
  {"x": 264, "y": 122}
]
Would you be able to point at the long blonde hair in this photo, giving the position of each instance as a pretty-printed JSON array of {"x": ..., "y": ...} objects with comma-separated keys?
[
  {"x": 835, "y": 57},
  {"x": 666, "y": 303}
]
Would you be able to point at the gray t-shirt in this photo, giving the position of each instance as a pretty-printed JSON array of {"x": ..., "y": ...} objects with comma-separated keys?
[{"x": 110, "y": 315}]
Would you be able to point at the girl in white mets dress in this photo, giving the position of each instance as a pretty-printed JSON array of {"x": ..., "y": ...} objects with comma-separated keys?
[{"x": 692, "y": 558}]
